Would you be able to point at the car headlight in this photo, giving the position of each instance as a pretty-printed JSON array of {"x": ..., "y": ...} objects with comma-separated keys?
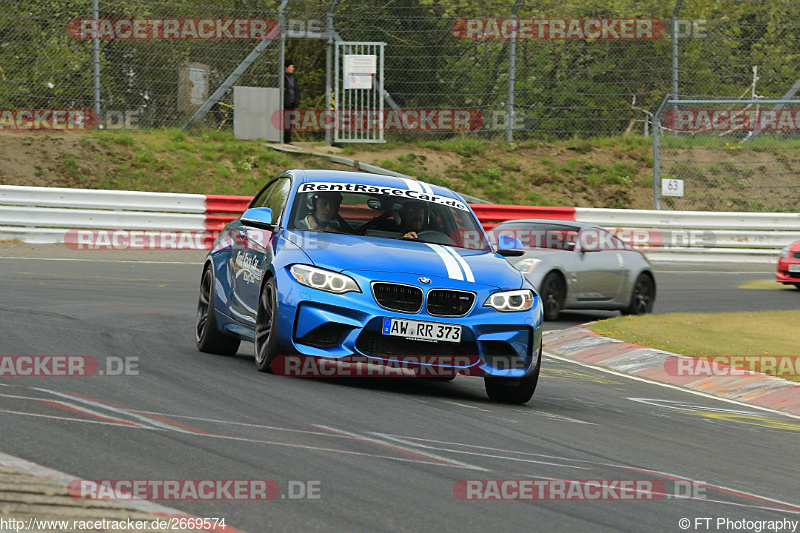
[
  {"x": 785, "y": 252},
  {"x": 526, "y": 266},
  {"x": 324, "y": 280},
  {"x": 508, "y": 301}
]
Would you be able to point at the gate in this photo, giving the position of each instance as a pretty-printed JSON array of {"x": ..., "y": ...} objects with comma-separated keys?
[{"x": 358, "y": 92}]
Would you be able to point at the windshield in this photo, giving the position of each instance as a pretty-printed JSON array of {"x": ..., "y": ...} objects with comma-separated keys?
[
  {"x": 386, "y": 213},
  {"x": 547, "y": 235}
]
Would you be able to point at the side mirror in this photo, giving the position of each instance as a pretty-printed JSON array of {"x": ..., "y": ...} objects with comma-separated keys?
[
  {"x": 509, "y": 246},
  {"x": 258, "y": 217}
]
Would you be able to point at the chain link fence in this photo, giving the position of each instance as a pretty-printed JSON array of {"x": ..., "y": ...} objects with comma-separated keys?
[
  {"x": 732, "y": 138},
  {"x": 563, "y": 87},
  {"x": 563, "y": 81}
]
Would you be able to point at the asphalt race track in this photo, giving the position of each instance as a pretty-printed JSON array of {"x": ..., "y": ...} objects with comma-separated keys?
[{"x": 386, "y": 452}]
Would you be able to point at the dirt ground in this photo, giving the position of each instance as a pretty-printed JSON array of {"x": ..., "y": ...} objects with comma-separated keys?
[{"x": 572, "y": 173}]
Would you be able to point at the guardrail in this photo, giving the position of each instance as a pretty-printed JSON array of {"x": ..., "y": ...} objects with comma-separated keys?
[{"x": 57, "y": 215}]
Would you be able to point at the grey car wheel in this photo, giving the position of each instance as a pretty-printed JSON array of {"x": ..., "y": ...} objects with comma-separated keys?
[
  {"x": 643, "y": 296},
  {"x": 553, "y": 294}
]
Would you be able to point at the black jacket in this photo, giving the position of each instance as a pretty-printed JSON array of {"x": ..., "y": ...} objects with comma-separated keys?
[{"x": 291, "y": 91}]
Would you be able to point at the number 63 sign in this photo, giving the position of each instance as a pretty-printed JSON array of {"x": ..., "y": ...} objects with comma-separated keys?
[{"x": 671, "y": 187}]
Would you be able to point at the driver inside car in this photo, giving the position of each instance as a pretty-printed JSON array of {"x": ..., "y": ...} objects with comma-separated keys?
[
  {"x": 413, "y": 216},
  {"x": 324, "y": 208}
]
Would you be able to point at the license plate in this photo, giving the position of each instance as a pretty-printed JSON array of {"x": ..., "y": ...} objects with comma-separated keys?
[
  {"x": 794, "y": 268},
  {"x": 414, "y": 329}
]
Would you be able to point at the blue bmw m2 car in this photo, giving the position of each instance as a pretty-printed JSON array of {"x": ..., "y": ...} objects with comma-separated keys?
[{"x": 336, "y": 265}]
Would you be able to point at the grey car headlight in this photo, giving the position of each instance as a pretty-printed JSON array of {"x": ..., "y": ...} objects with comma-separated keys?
[
  {"x": 324, "y": 280},
  {"x": 785, "y": 252},
  {"x": 526, "y": 266},
  {"x": 509, "y": 301}
]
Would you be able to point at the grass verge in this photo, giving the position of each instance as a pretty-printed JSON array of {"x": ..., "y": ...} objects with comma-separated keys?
[{"x": 704, "y": 335}]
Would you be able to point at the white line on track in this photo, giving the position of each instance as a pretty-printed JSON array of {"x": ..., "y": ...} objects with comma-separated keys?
[
  {"x": 414, "y": 441},
  {"x": 478, "y": 454},
  {"x": 674, "y": 387},
  {"x": 467, "y": 406},
  {"x": 405, "y": 448}
]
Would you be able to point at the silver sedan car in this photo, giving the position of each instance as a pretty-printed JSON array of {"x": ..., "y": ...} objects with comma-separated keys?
[{"x": 574, "y": 265}]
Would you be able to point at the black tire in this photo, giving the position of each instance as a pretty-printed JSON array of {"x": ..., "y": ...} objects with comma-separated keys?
[
  {"x": 265, "y": 340},
  {"x": 643, "y": 296},
  {"x": 512, "y": 390},
  {"x": 206, "y": 334},
  {"x": 553, "y": 294},
  {"x": 797, "y": 286}
]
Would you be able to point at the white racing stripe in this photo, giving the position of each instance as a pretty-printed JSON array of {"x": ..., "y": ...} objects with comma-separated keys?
[
  {"x": 464, "y": 266},
  {"x": 453, "y": 272},
  {"x": 413, "y": 185},
  {"x": 427, "y": 188}
]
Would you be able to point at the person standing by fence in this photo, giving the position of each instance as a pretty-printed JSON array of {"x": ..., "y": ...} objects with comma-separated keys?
[{"x": 291, "y": 97}]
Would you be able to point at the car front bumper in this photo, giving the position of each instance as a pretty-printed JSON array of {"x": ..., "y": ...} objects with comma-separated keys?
[
  {"x": 782, "y": 274},
  {"x": 321, "y": 324}
]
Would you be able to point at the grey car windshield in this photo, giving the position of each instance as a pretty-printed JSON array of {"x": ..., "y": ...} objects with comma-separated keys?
[{"x": 538, "y": 234}]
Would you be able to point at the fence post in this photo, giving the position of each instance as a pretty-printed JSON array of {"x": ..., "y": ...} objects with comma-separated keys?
[
  {"x": 675, "y": 53},
  {"x": 512, "y": 69},
  {"x": 657, "y": 153},
  {"x": 281, "y": 59},
  {"x": 328, "y": 61},
  {"x": 96, "y": 59}
]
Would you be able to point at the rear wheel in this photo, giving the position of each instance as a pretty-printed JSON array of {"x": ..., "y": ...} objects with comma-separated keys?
[
  {"x": 266, "y": 336},
  {"x": 553, "y": 294},
  {"x": 207, "y": 335},
  {"x": 512, "y": 390},
  {"x": 643, "y": 297}
]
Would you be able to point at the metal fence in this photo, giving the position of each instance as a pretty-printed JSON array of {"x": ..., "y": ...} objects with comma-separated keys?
[
  {"x": 727, "y": 155},
  {"x": 549, "y": 82},
  {"x": 560, "y": 86}
]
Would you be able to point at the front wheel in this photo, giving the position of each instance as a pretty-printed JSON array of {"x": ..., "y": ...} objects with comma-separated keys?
[
  {"x": 266, "y": 335},
  {"x": 553, "y": 295},
  {"x": 513, "y": 390},
  {"x": 643, "y": 297},
  {"x": 207, "y": 334}
]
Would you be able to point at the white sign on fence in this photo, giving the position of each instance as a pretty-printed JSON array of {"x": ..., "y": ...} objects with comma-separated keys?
[
  {"x": 671, "y": 187},
  {"x": 358, "y": 71},
  {"x": 360, "y": 64},
  {"x": 358, "y": 81}
]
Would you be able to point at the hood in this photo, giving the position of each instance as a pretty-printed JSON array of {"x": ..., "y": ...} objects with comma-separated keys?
[{"x": 375, "y": 254}]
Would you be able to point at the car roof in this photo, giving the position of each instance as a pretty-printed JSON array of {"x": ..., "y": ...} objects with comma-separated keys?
[
  {"x": 366, "y": 178},
  {"x": 573, "y": 223}
]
